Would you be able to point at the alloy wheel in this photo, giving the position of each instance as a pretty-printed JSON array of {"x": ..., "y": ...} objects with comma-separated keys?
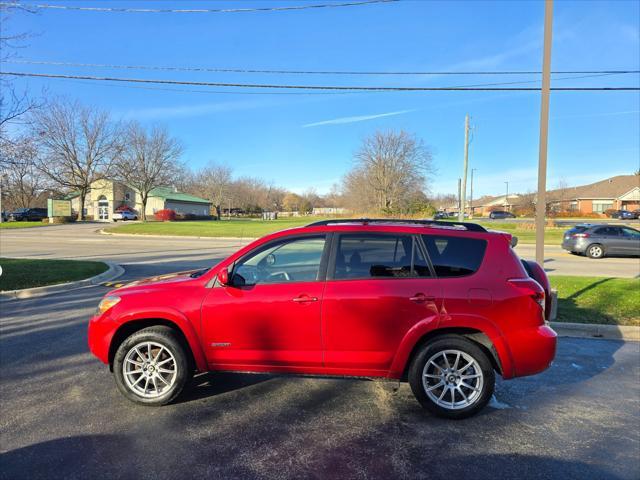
[
  {"x": 149, "y": 369},
  {"x": 452, "y": 379},
  {"x": 596, "y": 251}
]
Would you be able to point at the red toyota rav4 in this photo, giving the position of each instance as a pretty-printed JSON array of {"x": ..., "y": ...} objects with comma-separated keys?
[{"x": 440, "y": 305}]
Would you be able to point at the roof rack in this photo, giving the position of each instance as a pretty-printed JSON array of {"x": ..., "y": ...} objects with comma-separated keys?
[{"x": 472, "y": 227}]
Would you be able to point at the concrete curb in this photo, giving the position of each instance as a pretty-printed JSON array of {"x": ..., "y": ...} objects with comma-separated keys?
[
  {"x": 591, "y": 330},
  {"x": 113, "y": 272},
  {"x": 144, "y": 235}
]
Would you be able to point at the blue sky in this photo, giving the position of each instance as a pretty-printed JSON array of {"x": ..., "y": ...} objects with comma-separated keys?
[{"x": 303, "y": 141}]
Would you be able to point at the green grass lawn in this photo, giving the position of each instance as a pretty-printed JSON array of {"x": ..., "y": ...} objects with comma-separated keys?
[
  {"x": 26, "y": 273},
  {"x": 613, "y": 301},
  {"x": 257, "y": 228},
  {"x": 552, "y": 235},
  {"x": 22, "y": 224},
  {"x": 208, "y": 228}
]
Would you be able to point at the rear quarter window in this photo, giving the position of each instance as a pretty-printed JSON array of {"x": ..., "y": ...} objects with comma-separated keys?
[{"x": 455, "y": 256}]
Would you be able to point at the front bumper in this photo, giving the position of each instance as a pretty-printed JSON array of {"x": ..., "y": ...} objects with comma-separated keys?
[{"x": 100, "y": 334}]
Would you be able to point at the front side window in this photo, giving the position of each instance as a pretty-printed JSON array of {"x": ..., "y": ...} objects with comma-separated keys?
[
  {"x": 376, "y": 255},
  {"x": 293, "y": 260},
  {"x": 631, "y": 233},
  {"x": 454, "y": 256}
]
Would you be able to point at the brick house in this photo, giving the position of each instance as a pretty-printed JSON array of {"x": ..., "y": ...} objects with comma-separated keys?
[
  {"x": 486, "y": 204},
  {"x": 617, "y": 193}
]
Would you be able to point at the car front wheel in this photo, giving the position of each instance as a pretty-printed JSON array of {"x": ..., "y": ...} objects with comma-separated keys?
[
  {"x": 452, "y": 377},
  {"x": 595, "y": 251},
  {"x": 151, "y": 366}
]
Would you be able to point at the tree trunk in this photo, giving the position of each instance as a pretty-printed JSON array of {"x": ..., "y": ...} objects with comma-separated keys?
[
  {"x": 218, "y": 212},
  {"x": 143, "y": 213},
  {"x": 83, "y": 196}
]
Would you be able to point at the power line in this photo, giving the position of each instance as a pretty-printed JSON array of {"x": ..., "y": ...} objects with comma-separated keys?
[
  {"x": 210, "y": 92},
  {"x": 310, "y": 72},
  {"x": 311, "y": 87},
  {"x": 32, "y": 6}
]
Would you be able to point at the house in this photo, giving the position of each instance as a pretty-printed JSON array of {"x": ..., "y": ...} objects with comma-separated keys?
[
  {"x": 486, "y": 204},
  {"x": 106, "y": 196},
  {"x": 615, "y": 193}
]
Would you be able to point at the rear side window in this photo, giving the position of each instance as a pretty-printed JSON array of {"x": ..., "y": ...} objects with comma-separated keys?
[
  {"x": 614, "y": 231},
  {"x": 374, "y": 255},
  {"x": 455, "y": 256}
]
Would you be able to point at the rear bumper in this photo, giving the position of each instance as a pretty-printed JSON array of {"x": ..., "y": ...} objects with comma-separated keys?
[
  {"x": 534, "y": 350},
  {"x": 574, "y": 245}
]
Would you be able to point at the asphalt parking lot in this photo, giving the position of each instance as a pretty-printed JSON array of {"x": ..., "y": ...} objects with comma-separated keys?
[{"x": 62, "y": 417}]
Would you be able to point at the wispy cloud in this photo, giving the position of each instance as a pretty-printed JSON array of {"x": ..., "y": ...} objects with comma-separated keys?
[
  {"x": 198, "y": 109},
  {"x": 357, "y": 118}
]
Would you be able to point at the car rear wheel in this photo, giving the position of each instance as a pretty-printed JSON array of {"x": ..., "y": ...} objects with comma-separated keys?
[
  {"x": 151, "y": 366},
  {"x": 452, "y": 377},
  {"x": 595, "y": 251}
]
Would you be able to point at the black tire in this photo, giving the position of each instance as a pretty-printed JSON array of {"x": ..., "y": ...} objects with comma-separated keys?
[
  {"x": 595, "y": 251},
  {"x": 167, "y": 338},
  {"x": 461, "y": 344}
]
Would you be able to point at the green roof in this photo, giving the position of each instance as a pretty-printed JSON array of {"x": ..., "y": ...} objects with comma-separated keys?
[{"x": 170, "y": 194}]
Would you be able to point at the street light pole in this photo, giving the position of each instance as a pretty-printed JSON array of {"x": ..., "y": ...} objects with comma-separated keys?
[
  {"x": 541, "y": 201},
  {"x": 506, "y": 197},
  {"x": 471, "y": 195},
  {"x": 464, "y": 170}
]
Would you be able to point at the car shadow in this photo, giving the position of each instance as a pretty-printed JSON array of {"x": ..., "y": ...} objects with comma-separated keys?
[{"x": 211, "y": 384}]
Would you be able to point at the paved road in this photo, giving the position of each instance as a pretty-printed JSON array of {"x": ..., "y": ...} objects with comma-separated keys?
[
  {"x": 62, "y": 417},
  {"x": 82, "y": 241}
]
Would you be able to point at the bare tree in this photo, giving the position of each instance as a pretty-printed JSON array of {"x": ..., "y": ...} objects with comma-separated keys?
[
  {"x": 13, "y": 103},
  {"x": 24, "y": 184},
  {"x": 79, "y": 145},
  {"x": 214, "y": 183},
  {"x": 149, "y": 159},
  {"x": 389, "y": 169}
]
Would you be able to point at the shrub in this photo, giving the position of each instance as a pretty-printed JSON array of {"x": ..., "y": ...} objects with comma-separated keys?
[
  {"x": 610, "y": 211},
  {"x": 165, "y": 215},
  {"x": 59, "y": 220},
  {"x": 576, "y": 214}
]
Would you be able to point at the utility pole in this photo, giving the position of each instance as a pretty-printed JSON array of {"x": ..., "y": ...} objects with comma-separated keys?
[
  {"x": 459, "y": 197},
  {"x": 506, "y": 197},
  {"x": 541, "y": 202},
  {"x": 471, "y": 194},
  {"x": 464, "y": 169}
]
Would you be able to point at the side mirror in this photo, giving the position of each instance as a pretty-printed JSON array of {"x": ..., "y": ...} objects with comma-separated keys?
[{"x": 223, "y": 276}]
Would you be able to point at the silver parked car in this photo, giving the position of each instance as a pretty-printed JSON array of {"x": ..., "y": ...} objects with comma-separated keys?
[{"x": 597, "y": 241}]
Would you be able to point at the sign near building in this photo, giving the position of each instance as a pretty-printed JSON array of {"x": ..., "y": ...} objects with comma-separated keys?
[{"x": 58, "y": 208}]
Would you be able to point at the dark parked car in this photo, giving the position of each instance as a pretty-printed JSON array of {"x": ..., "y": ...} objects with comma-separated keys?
[
  {"x": 597, "y": 241},
  {"x": 501, "y": 214},
  {"x": 636, "y": 213},
  {"x": 28, "y": 214},
  {"x": 440, "y": 215},
  {"x": 623, "y": 215}
]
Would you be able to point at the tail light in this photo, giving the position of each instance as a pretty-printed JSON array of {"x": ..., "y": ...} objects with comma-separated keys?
[
  {"x": 580, "y": 235},
  {"x": 531, "y": 288}
]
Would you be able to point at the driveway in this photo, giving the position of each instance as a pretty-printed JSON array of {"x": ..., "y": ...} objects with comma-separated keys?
[
  {"x": 62, "y": 416},
  {"x": 82, "y": 241}
]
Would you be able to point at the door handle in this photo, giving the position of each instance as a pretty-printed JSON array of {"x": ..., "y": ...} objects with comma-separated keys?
[
  {"x": 421, "y": 297},
  {"x": 305, "y": 298}
]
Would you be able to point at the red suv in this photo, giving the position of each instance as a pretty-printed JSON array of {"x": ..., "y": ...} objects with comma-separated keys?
[{"x": 440, "y": 305}]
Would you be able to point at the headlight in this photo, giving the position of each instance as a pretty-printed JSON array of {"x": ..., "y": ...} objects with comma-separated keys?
[{"x": 106, "y": 303}]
